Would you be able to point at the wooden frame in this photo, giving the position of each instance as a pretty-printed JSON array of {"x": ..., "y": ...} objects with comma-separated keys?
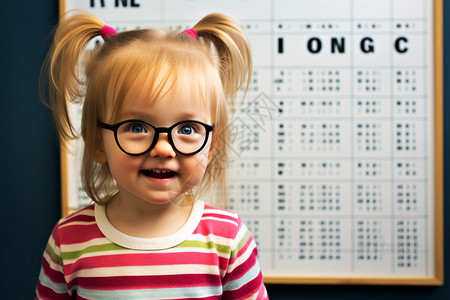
[{"x": 438, "y": 277}]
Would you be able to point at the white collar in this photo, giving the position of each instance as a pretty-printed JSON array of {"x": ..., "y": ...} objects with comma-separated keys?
[{"x": 135, "y": 243}]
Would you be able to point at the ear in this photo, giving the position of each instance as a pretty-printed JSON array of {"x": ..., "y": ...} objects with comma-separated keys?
[{"x": 99, "y": 154}]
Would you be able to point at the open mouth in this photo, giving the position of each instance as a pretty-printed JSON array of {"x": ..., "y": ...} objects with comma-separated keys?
[{"x": 159, "y": 174}]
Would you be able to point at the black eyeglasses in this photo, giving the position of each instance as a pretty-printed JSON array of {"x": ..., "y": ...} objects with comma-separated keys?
[{"x": 136, "y": 137}]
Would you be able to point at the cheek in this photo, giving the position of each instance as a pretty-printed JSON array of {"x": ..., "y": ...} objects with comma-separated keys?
[
  {"x": 195, "y": 167},
  {"x": 203, "y": 159},
  {"x": 119, "y": 163}
]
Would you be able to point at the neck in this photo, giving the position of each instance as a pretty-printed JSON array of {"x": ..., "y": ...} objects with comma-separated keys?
[{"x": 148, "y": 220}]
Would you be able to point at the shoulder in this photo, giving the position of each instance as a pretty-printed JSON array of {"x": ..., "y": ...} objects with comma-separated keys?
[
  {"x": 221, "y": 215},
  {"x": 77, "y": 226},
  {"x": 81, "y": 216},
  {"x": 220, "y": 221}
]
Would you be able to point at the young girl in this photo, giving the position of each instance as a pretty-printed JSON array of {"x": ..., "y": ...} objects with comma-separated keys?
[{"x": 156, "y": 135}]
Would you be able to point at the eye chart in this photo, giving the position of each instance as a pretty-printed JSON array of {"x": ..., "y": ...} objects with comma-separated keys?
[{"x": 337, "y": 149}]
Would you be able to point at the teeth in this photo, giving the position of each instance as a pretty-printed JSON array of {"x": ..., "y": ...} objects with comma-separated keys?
[{"x": 160, "y": 171}]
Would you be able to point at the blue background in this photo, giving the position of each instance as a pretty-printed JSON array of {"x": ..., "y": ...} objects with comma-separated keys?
[{"x": 29, "y": 170}]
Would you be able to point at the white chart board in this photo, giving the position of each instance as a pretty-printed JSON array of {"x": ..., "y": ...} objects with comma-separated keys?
[{"x": 337, "y": 153}]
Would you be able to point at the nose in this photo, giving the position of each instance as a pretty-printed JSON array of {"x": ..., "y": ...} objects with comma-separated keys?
[{"x": 162, "y": 147}]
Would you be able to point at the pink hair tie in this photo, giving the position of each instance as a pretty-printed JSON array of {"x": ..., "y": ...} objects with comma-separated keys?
[
  {"x": 191, "y": 32},
  {"x": 107, "y": 30}
]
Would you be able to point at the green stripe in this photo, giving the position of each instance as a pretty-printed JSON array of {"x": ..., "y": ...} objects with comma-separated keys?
[
  {"x": 52, "y": 253},
  {"x": 112, "y": 247},
  {"x": 91, "y": 249},
  {"x": 205, "y": 245},
  {"x": 241, "y": 244}
]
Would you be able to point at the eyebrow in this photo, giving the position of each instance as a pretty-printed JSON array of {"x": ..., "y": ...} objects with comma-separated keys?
[{"x": 151, "y": 119}]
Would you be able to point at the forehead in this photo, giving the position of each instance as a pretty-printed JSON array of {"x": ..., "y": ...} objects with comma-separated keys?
[
  {"x": 180, "y": 81},
  {"x": 171, "y": 106}
]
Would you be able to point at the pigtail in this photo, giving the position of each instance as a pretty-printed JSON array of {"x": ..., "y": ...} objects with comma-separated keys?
[
  {"x": 232, "y": 58},
  {"x": 233, "y": 51},
  {"x": 60, "y": 68}
]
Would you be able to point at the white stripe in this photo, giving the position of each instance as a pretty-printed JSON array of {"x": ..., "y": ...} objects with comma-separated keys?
[
  {"x": 84, "y": 245},
  {"x": 145, "y": 271},
  {"x": 51, "y": 243},
  {"x": 83, "y": 212},
  {"x": 211, "y": 238},
  {"x": 77, "y": 223},
  {"x": 221, "y": 212},
  {"x": 220, "y": 220},
  {"x": 243, "y": 258},
  {"x": 240, "y": 235},
  {"x": 53, "y": 265}
]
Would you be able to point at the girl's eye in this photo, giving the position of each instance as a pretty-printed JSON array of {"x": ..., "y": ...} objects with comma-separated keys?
[
  {"x": 136, "y": 128},
  {"x": 186, "y": 129}
]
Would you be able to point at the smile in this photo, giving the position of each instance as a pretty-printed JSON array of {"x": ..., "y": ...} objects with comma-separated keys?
[{"x": 158, "y": 173}]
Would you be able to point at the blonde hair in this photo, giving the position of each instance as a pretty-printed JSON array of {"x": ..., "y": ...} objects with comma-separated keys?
[{"x": 216, "y": 65}]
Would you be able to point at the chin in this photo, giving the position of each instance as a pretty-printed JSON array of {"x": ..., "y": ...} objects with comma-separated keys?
[{"x": 165, "y": 198}]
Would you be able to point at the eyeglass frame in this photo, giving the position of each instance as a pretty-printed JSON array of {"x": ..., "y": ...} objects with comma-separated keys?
[{"x": 114, "y": 128}]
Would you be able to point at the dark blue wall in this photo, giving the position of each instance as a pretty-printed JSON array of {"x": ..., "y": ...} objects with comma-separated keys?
[{"x": 29, "y": 176}]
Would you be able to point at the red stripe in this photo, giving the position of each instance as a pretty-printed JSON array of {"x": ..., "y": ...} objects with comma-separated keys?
[
  {"x": 52, "y": 274},
  {"x": 244, "y": 248},
  {"x": 50, "y": 257},
  {"x": 79, "y": 214},
  {"x": 243, "y": 268},
  {"x": 214, "y": 227},
  {"x": 147, "y": 282},
  {"x": 68, "y": 233},
  {"x": 223, "y": 263},
  {"x": 250, "y": 288},
  {"x": 46, "y": 293},
  {"x": 220, "y": 213},
  {"x": 78, "y": 218},
  {"x": 142, "y": 259},
  {"x": 262, "y": 294},
  {"x": 74, "y": 234}
]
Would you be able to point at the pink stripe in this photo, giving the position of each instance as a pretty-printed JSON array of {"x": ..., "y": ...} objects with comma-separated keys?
[
  {"x": 223, "y": 263},
  {"x": 218, "y": 228},
  {"x": 243, "y": 268},
  {"x": 144, "y": 259},
  {"x": 149, "y": 282},
  {"x": 244, "y": 248},
  {"x": 262, "y": 291},
  {"x": 220, "y": 213},
  {"x": 71, "y": 235},
  {"x": 246, "y": 291}
]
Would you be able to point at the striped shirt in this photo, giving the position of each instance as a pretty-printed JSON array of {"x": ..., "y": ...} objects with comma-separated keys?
[{"x": 213, "y": 256}]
